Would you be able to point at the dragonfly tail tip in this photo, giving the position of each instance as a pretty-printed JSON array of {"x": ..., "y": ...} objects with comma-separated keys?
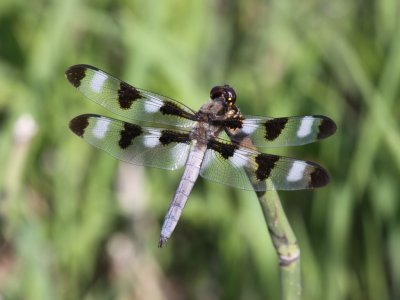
[{"x": 163, "y": 240}]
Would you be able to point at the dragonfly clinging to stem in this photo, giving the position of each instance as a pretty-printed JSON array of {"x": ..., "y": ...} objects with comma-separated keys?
[{"x": 184, "y": 137}]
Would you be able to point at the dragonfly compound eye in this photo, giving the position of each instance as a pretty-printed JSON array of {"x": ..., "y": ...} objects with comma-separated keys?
[
  {"x": 230, "y": 95},
  {"x": 224, "y": 91}
]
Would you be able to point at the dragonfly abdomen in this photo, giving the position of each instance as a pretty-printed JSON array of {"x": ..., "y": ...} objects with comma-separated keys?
[{"x": 186, "y": 184}]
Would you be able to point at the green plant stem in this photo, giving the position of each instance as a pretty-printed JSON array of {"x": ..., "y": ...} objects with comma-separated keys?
[
  {"x": 285, "y": 244},
  {"x": 282, "y": 236}
]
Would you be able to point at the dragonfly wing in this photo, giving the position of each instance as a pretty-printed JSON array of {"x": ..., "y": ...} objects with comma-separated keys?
[
  {"x": 146, "y": 146},
  {"x": 287, "y": 131},
  {"x": 127, "y": 101},
  {"x": 243, "y": 168}
]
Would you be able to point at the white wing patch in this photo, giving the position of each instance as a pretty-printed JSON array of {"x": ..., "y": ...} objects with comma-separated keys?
[
  {"x": 208, "y": 157},
  {"x": 248, "y": 127},
  {"x": 296, "y": 172},
  {"x": 152, "y": 139},
  {"x": 239, "y": 158},
  {"x": 305, "y": 127},
  {"x": 180, "y": 154},
  {"x": 153, "y": 105},
  {"x": 101, "y": 127},
  {"x": 97, "y": 81}
]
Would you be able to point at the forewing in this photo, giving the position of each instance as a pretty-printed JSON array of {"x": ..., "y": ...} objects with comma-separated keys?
[
  {"x": 160, "y": 148},
  {"x": 127, "y": 101},
  {"x": 247, "y": 169},
  {"x": 278, "y": 132}
]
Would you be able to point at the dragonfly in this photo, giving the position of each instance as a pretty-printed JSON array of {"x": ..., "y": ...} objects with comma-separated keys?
[{"x": 217, "y": 142}]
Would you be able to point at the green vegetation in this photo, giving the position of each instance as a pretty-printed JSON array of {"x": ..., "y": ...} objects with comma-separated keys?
[{"x": 77, "y": 224}]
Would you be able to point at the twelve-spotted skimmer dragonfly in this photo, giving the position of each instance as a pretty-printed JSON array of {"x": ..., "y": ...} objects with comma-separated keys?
[{"x": 216, "y": 142}]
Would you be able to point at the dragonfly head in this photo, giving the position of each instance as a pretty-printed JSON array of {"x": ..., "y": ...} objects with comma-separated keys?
[{"x": 225, "y": 93}]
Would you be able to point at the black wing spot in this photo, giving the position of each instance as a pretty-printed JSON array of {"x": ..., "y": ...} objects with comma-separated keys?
[
  {"x": 128, "y": 134},
  {"x": 75, "y": 74},
  {"x": 231, "y": 123},
  {"x": 274, "y": 127},
  {"x": 170, "y": 108},
  {"x": 79, "y": 124},
  {"x": 318, "y": 178},
  {"x": 226, "y": 150},
  {"x": 326, "y": 128},
  {"x": 169, "y": 136},
  {"x": 127, "y": 94},
  {"x": 266, "y": 162}
]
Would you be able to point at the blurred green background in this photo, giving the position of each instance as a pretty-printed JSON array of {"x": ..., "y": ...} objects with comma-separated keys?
[{"x": 77, "y": 224}]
